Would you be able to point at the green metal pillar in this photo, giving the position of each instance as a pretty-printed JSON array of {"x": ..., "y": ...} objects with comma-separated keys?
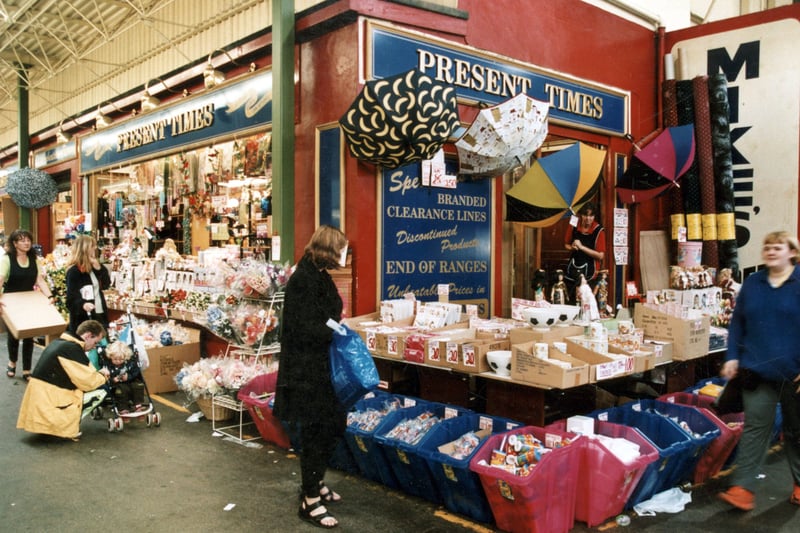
[
  {"x": 23, "y": 142},
  {"x": 283, "y": 125}
]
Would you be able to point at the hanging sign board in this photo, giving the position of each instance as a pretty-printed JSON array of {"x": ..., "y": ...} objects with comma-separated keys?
[
  {"x": 434, "y": 236},
  {"x": 237, "y": 106}
]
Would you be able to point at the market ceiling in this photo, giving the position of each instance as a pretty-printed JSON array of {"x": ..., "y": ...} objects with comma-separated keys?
[{"x": 48, "y": 37}]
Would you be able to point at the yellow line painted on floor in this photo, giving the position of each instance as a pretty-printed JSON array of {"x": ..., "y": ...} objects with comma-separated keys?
[
  {"x": 444, "y": 515},
  {"x": 168, "y": 403}
]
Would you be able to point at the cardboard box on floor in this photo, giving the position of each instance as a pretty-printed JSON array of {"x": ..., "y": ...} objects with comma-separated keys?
[
  {"x": 527, "y": 368},
  {"x": 30, "y": 314},
  {"x": 167, "y": 361},
  {"x": 689, "y": 337}
]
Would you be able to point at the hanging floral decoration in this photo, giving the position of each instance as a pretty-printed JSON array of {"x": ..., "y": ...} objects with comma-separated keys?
[
  {"x": 200, "y": 205},
  {"x": 185, "y": 170},
  {"x": 31, "y": 188}
]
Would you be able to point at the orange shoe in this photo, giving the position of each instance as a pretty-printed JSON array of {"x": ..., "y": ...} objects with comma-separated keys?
[
  {"x": 795, "y": 499},
  {"x": 739, "y": 497}
]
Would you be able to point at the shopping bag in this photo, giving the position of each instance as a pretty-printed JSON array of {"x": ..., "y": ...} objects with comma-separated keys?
[
  {"x": 353, "y": 372},
  {"x": 730, "y": 399}
]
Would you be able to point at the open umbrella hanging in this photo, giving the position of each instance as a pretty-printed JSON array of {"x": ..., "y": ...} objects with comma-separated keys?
[
  {"x": 401, "y": 119},
  {"x": 503, "y": 137},
  {"x": 554, "y": 185},
  {"x": 657, "y": 166}
]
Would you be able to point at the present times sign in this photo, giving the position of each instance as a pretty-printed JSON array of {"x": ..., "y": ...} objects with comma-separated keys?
[{"x": 433, "y": 236}]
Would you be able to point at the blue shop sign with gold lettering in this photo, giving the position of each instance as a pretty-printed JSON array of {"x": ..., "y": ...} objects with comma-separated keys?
[
  {"x": 484, "y": 77},
  {"x": 236, "y": 107}
]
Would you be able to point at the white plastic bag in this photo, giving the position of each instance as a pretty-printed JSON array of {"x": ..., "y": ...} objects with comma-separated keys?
[{"x": 670, "y": 501}]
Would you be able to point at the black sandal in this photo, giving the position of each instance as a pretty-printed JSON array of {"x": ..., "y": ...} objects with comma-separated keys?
[
  {"x": 315, "y": 519},
  {"x": 327, "y": 494},
  {"x": 11, "y": 371},
  {"x": 26, "y": 376}
]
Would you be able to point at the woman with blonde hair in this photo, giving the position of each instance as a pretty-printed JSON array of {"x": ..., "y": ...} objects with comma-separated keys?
[
  {"x": 764, "y": 355},
  {"x": 86, "y": 279}
]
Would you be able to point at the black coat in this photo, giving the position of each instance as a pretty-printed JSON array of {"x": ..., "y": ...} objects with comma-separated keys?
[
  {"x": 304, "y": 391},
  {"x": 75, "y": 279}
]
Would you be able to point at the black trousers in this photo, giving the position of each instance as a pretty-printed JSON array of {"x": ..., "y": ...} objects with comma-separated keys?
[
  {"x": 318, "y": 441},
  {"x": 13, "y": 351}
]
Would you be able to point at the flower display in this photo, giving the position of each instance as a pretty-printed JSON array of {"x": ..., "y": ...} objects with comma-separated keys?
[
  {"x": 56, "y": 276},
  {"x": 217, "y": 375},
  {"x": 257, "y": 279},
  {"x": 31, "y": 188}
]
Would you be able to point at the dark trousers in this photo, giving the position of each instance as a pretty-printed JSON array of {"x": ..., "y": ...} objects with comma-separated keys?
[
  {"x": 13, "y": 351},
  {"x": 318, "y": 441},
  {"x": 759, "y": 419}
]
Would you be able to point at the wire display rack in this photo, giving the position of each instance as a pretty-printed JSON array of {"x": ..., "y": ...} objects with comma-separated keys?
[{"x": 241, "y": 418}]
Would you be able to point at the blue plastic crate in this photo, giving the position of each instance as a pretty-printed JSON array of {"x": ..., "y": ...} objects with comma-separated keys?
[
  {"x": 701, "y": 430},
  {"x": 669, "y": 439},
  {"x": 460, "y": 487},
  {"x": 408, "y": 467},
  {"x": 361, "y": 443}
]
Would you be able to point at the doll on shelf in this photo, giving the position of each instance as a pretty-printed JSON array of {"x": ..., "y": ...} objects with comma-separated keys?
[
  {"x": 601, "y": 294},
  {"x": 558, "y": 292},
  {"x": 586, "y": 300},
  {"x": 168, "y": 252},
  {"x": 539, "y": 285}
]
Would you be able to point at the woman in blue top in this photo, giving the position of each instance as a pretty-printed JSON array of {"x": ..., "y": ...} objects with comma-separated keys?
[{"x": 764, "y": 350}]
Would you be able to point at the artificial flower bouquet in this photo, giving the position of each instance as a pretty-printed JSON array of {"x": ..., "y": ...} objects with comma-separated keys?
[
  {"x": 247, "y": 323},
  {"x": 217, "y": 375},
  {"x": 257, "y": 279}
]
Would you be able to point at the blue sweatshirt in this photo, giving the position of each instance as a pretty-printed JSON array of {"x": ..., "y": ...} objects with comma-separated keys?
[{"x": 764, "y": 333}]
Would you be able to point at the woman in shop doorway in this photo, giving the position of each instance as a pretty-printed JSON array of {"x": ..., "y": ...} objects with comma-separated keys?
[
  {"x": 19, "y": 272},
  {"x": 305, "y": 398},
  {"x": 586, "y": 243},
  {"x": 86, "y": 279},
  {"x": 764, "y": 352}
]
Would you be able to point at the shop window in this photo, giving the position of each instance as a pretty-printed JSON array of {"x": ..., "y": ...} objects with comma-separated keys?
[{"x": 330, "y": 185}]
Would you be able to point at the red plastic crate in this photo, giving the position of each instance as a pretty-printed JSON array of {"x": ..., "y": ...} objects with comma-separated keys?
[
  {"x": 730, "y": 431},
  {"x": 604, "y": 482},
  {"x": 270, "y": 427},
  {"x": 543, "y": 501}
]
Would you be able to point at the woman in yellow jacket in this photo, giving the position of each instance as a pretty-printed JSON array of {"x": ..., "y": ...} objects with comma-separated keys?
[{"x": 54, "y": 397}]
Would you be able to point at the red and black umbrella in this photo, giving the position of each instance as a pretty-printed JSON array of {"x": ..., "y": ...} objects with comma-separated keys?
[{"x": 657, "y": 167}]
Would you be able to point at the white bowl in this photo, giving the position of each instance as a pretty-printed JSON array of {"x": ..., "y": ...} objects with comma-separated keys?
[
  {"x": 500, "y": 362},
  {"x": 566, "y": 313},
  {"x": 541, "y": 317}
]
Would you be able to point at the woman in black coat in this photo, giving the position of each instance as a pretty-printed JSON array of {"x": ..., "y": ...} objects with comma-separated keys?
[
  {"x": 85, "y": 271},
  {"x": 304, "y": 397}
]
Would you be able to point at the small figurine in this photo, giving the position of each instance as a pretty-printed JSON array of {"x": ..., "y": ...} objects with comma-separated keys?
[
  {"x": 588, "y": 304},
  {"x": 558, "y": 293},
  {"x": 539, "y": 285},
  {"x": 601, "y": 294}
]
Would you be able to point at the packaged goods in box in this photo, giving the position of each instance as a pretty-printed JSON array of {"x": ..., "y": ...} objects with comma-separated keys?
[
  {"x": 167, "y": 361},
  {"x": 543, "y": 500},
  {"x": 362, "y": 422},
  {"x": 606, "y": 479},
  {"x": 554, "y": 334},
  {"x": 29, "y": 314},
  {"x": 560, "y": 371},
  {"x": 673, "y": 444},
  {"x": 720, "y": 449},
  {"x": 256, "y": 395},
  {"x": 399, "y": 437},
  {"x": 602, "y": 366},
  {"x": 444, "y": 341},
  {"x": 689, "y": 337},
  {"x": 448, "y": 461},
  {"x": 701, "y": 430},
  {"x": 662, "y": 350}
]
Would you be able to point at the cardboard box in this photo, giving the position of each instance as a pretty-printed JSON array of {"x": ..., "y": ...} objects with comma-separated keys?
[
  {"x": 167, "y": 361},
  {"x": 473, "y": 355},
  {"x": 527, "y": 368},
  {"x": 662, "y": 350},
  {"x": 554, "y": 334},
  {"x": 444, "y": 342},
  {"x": 29, "y": 314},
  {"x": 602, "y": 366},
  {"x": 689, "y": 337}
]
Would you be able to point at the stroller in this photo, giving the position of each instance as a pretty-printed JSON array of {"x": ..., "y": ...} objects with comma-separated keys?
[{"x": 119, "y": 414}]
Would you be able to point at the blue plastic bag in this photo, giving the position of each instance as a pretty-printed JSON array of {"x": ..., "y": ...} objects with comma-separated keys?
[{"x": 353, "y": 371}]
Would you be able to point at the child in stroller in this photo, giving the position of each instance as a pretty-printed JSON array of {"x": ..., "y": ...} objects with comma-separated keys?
[{"x": 125, "y": 384}]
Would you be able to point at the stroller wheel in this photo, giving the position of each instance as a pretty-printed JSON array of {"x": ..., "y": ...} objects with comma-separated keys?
[
  {"x": 119, "y": 425},
  {"x": 148, "y": 419},
  {"x": 111, "y": 425},
  {"x": 157, "y": 419}
]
